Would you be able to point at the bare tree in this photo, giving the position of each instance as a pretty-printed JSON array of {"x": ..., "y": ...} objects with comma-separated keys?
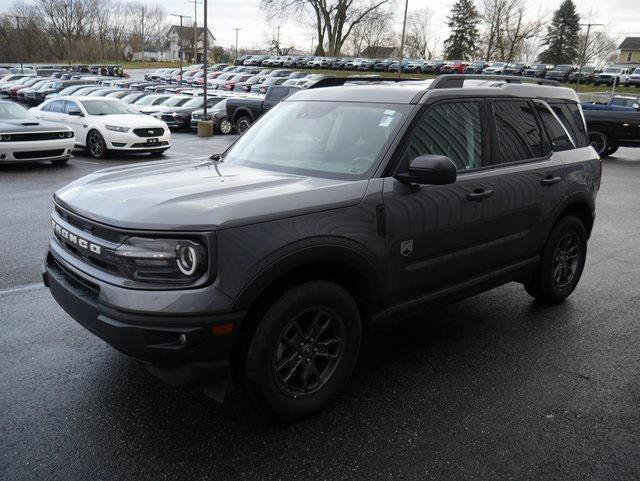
[
  {"x": 148, "y": 25},
  {"x": 374, "y": 31},
  {"x": 334, "y": 19},
  {"x": 598, "y": 48},
  {"x": 422, "y": 40}
]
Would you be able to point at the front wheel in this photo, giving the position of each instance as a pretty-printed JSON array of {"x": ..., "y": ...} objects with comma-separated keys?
[
  {"x": 561, "y": 262},
  {"x": 225, "y": 126},
  {"x": 303, "y": 350},
  {"x": 611, "y": 149},
  {"x": 96, "y": 145}
]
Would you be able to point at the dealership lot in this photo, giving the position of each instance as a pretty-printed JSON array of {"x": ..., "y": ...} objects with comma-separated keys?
[{"x": 494, "y": 387}]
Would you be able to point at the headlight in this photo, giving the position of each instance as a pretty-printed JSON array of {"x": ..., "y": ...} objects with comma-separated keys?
[
  {"x": 168, "y": 261},
  {"x": 115, "y": 128}
]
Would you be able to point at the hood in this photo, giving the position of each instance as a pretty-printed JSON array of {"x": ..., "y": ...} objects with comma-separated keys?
[
  {"x": 133, "y": 121},
  {"x": 28, "y": 125},
  {"x": 201, "y": 195}
]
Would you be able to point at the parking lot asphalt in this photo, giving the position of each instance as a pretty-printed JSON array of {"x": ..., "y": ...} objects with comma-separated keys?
[{"x": 494, "y": 387}]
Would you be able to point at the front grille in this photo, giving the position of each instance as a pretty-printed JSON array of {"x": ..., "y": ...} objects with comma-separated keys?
[
  {"x": 37, "y": 154},
  {"x": 153, "y": 132},
  {"x": 97, "y": 230},
  {"x": 86, "y": 286},
  {"x": 30, "y": 136}
]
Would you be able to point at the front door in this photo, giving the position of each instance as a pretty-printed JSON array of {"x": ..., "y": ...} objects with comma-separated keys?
[{"x": 442, "y": 235}]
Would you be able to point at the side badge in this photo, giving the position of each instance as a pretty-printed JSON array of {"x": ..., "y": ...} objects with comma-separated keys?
[{"x": 406, "y": 247}]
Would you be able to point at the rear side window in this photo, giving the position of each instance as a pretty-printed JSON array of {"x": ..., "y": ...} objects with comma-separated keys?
[
  {"x": 517, "y": 132},
  {"x": 571, "y": 117},
  {"x": 452, "y": 129},
  {"x": 555, "y": 131}
]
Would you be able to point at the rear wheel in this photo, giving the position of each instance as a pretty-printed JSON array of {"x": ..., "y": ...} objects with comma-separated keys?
[
  {"x": 599, "y": 141},
  {"x": 96, "y": 145},
  {"x": 303, "y": 351},
  {"x": 611, "y": 149},
  {"x": 561, "y": 262},
  {"x": 242, "y": 124}
]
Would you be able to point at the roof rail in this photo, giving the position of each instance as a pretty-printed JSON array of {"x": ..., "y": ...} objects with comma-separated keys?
[
  {"x": 339, "y": 81},
  {"x": 448, "y": 81}
]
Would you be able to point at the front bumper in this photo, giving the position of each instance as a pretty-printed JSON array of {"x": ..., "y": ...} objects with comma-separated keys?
[
  {"x": 129, "y": 141},
  {"x": 178, "y": 347},
  {"x": 36, "y": 150}
]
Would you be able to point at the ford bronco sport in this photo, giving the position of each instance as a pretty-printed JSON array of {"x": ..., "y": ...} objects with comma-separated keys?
[{"x": 340, "y": 208}]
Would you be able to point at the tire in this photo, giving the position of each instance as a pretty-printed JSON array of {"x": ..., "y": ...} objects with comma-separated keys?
[
  {"x": 59, "y": 162},
  {"x": 294, "y": 365},
  {"x": 96, "y": 146},
  {"x": 599, "y": 141},
  {"x": 611, "y": 149},
  {"x": 242, "y": 124},
  {"x": 561, "y": 263},
  {"x": 225, "y": 126}
]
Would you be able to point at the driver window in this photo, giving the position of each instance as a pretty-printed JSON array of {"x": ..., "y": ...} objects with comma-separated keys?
[{"x": 452, "y": 129}]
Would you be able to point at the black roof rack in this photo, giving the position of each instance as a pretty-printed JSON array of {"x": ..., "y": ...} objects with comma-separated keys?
[
  {"x": 339, "y": 81},
  {"x": 449, "y": 81}
]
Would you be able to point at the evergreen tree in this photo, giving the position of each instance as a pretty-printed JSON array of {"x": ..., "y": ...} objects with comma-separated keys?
[
  {"x": 562, "y": 41},
  {"x": 463, "y": 22}
]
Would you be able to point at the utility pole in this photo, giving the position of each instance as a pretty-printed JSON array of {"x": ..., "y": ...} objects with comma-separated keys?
[
  {"x": 586, "y": 45},
  {"x": 313, "y": 39},
  {"x": 278, "y": 41},
  {"x": 237, "y": 29},
  {"x": 181, "y": 54},
  {"x": 142, "y": 31},
  {"x": 65, "y": 5},
  {"x": 206, "y": 53},
  {"x": 195, "y": 29},
  {"x": 18, "y": 18},
  {"x": 404, "y": 26}
]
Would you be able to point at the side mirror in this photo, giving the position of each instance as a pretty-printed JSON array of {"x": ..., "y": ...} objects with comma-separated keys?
[
  {"x": 430, "y": 169},
  {"x": 75, "y": 113}
]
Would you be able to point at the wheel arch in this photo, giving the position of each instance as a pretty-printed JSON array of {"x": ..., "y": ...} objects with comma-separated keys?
[
  {"x": 242, "y": 112},
  {"x": 579, "y": 206}
]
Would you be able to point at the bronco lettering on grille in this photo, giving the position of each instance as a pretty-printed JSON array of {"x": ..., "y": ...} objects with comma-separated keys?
[{"x": 74, "y": 239}]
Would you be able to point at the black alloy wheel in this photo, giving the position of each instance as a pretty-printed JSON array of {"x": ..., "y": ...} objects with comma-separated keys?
[
  {"x": 243, "y": 124},
  {"x": 96, "y": 145},
  {"x": 599, "y": 142},
  {"x": 566, "y": 259},
  {"x": 309, "y": 349}
]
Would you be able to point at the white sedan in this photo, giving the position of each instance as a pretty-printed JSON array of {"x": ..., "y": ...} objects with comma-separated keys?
[{"x": 102, "y": 125}]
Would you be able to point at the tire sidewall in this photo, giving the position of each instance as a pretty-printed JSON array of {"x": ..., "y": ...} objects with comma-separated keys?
[
  {"x": 260, "y": 377},
  {"x": 604, "y": 138},
  {"x": 241, "y": 119},
  {"x": 104, "y": 144}
]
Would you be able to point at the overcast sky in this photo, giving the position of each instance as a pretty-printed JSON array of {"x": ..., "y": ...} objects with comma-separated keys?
[{"x": 622, "y": 18}]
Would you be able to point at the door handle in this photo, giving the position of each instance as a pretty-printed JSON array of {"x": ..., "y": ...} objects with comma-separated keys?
[
  {"x": 479, "y": 194},
  {"x": 550, "y": 180}
]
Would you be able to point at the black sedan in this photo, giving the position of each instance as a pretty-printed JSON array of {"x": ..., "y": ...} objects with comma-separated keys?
[{"x": 180, "y": 117}]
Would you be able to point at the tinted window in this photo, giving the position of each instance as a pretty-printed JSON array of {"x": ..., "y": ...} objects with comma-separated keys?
[
  {"x": 571, "y": 117},
  {"x": 517, "y": 131},
  {"x": 57, "y": 106},
  {"x": 555, "y": 131},
  {"x": 451, "y": 129}
]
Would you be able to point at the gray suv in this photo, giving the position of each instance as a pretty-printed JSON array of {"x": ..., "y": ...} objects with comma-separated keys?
[{"x": 341, "y": 208}]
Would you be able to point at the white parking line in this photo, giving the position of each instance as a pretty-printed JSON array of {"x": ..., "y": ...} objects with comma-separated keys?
[
  {"x": 28, "y": 287},
  {"x": 86, "y": 161}
]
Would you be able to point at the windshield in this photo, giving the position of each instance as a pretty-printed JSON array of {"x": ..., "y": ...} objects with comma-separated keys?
[
  {"x": 563, "y": 67},
  {"x": 612, "y": 70},
  {"x": 131, "y": 97},
  {"x": 636, "y": 72},
  {"x": 194, "y": 103},
  {"x": 175, "y": 101},
  {"x": 9, "y": 111},
  {"x": 147, "y": 100},
  {"x": 538, "y": 67},
  {"x": 106, "y": 107},
  {"x": 340, "y": 140}
]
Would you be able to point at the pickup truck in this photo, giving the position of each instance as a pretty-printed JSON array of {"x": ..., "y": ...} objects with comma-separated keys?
[
  {"x": 245, "y": 111},
  {"x": 610, "y": 129},
  {"x": 623, "y": 103}
]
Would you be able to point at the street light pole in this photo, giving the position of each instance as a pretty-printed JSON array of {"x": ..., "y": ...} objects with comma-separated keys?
[
  {"x": 404, "y": 26},
  {"x": 18, "y": 17},
  {"x": 313, "y": 39},
  {"x": 237, "y": 29},
  {"x": 181, "y": 53},
  {"x": 278, "y": 41},
  {"x": 195, "y": 29}
]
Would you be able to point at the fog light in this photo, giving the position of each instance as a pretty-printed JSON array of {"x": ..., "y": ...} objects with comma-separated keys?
[{"x": 182, "y": 339}]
